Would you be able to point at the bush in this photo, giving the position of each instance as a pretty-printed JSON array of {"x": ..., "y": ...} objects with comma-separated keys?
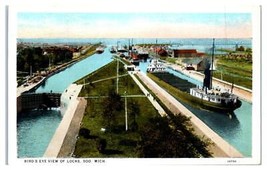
[
  {"x": 101, "y": 145},
  {"x": 84, "y": 133}
]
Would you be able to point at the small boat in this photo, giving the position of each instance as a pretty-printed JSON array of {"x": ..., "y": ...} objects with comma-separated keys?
[
  {"x": 155, "y": 66},
  {"x": 122, "y": 49},
  {"x": 121, "y": 55},
  {"x": 112, "y": 50},
  {"x": 100, "y": 49},
  {"x": 138, "y": 56}
]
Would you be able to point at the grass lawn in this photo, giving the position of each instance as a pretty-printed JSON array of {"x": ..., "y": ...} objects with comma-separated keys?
[
  {"x": 238, "y": 72},
  {"x": 133, "y": 143},
  {"x": 120, "y": 143}
]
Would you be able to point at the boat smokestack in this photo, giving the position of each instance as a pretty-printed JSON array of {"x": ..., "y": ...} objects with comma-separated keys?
[{"x": 207, "y": 78}]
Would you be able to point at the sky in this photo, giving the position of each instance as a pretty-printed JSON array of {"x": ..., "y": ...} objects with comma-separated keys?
[{"x": 134, "y": 25}]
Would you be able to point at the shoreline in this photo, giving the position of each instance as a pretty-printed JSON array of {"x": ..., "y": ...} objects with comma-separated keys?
[{"x": 21, "y": 89}]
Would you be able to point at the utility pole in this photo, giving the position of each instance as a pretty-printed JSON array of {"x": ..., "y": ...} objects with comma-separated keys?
[
  {"x": 126, "y": 114},
  {"x": 30, "y": 70},
  {"x": 117, "y": 84},
  {"x": 212, "y": 60}
]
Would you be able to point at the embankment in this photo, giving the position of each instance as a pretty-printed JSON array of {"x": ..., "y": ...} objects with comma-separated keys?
[{"x": 64, "y": 138}]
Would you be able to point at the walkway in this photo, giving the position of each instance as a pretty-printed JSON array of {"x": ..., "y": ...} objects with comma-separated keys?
[
  {"x": 109, "y": 78},
  {"x": 57, "y": 141},
  {"x": 128, "y": 96},
  {"x": 220, "y": 148},
  {"x": 21, "y": 89},
  {"x": 69, "y": 142},
  {"x": 150, "y": 97}
]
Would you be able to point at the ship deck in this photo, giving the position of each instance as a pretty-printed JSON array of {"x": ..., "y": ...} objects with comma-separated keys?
[{"x": 175, "y": 81}]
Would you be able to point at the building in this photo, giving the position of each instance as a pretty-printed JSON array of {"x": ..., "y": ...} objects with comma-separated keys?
[
  {"x": 198, "y": 64},
  {"x": 186, "y": 53}
]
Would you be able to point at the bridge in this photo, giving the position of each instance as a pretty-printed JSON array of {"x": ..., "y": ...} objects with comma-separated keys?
[{"x": 27, "y": 101}]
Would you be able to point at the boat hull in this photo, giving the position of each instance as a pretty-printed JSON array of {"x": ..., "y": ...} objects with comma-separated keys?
[
  {"x": 99, "y": 51},
  {"x": 211, "y": 106}
]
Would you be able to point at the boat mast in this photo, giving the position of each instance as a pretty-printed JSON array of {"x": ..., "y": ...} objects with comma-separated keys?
[
  {"x": 156, "y": 48},
  {"x": 212, "y": 60},
  {"x": 129, "y": 48}
]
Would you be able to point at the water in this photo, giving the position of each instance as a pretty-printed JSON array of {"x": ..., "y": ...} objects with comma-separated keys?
[
  {"x": 198, "y": 43},
  {"x": 60, "y": 81},
  {"x": 236, "y": 131},
  {"x": 36, "y": 130}
]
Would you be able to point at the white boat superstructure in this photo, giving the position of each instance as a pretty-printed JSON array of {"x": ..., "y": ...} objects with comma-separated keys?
[
  {"x": 100, "y": 49},
  {"x": 156, "y": 66},
  {"x": 214, "y": 95}
]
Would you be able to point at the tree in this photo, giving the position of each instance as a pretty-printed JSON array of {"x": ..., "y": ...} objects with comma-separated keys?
[
  {"x": 171, "y": 138},
  {"x": 31, "y": 57},
  {"x": 249, "y": 50},
  {"x": 240, "y": 48},
  {"x": 84, "y": 133},
  {"x": 134, "y": 111},
  {"x": 111, "y": 104},
  {"x": 101, "y": 145}
]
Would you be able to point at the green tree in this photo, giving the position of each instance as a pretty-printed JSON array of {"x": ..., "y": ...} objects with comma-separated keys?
[
  {"x": 240, "y": 48},
  {"x": 101, "y": 145},
  {"x": 134, "y": 111},
  {"x": 249, "y": 50},
  {"x": 171, "y": 138},
  {"x": 111, "y": 104}
]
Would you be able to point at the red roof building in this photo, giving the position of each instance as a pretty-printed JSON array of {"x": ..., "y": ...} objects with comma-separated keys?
[{"x": 184, "y": 53}]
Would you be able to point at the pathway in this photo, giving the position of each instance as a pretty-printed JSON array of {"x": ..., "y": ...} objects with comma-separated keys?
[
  {"x": 149, "y": 96},
  {"x": 54, "y": 147},
  {"x": 97, "y": 81},
  {"x": 69, "y": 142}
]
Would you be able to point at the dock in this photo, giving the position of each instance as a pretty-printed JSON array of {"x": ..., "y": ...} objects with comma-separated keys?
[{"x": 22, "y": 89}]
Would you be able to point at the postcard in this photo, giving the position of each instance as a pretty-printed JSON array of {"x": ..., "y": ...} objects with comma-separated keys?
[{"x": 149, "y": 84}]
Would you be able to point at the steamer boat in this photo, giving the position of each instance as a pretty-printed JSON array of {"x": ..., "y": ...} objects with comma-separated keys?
[
  {"x": 205, "y": 97},
  {"x": 215, "y": 98}
]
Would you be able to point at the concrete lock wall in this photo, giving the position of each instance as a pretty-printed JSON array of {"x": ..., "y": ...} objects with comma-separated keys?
[{"x": 37, "y": 100}]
